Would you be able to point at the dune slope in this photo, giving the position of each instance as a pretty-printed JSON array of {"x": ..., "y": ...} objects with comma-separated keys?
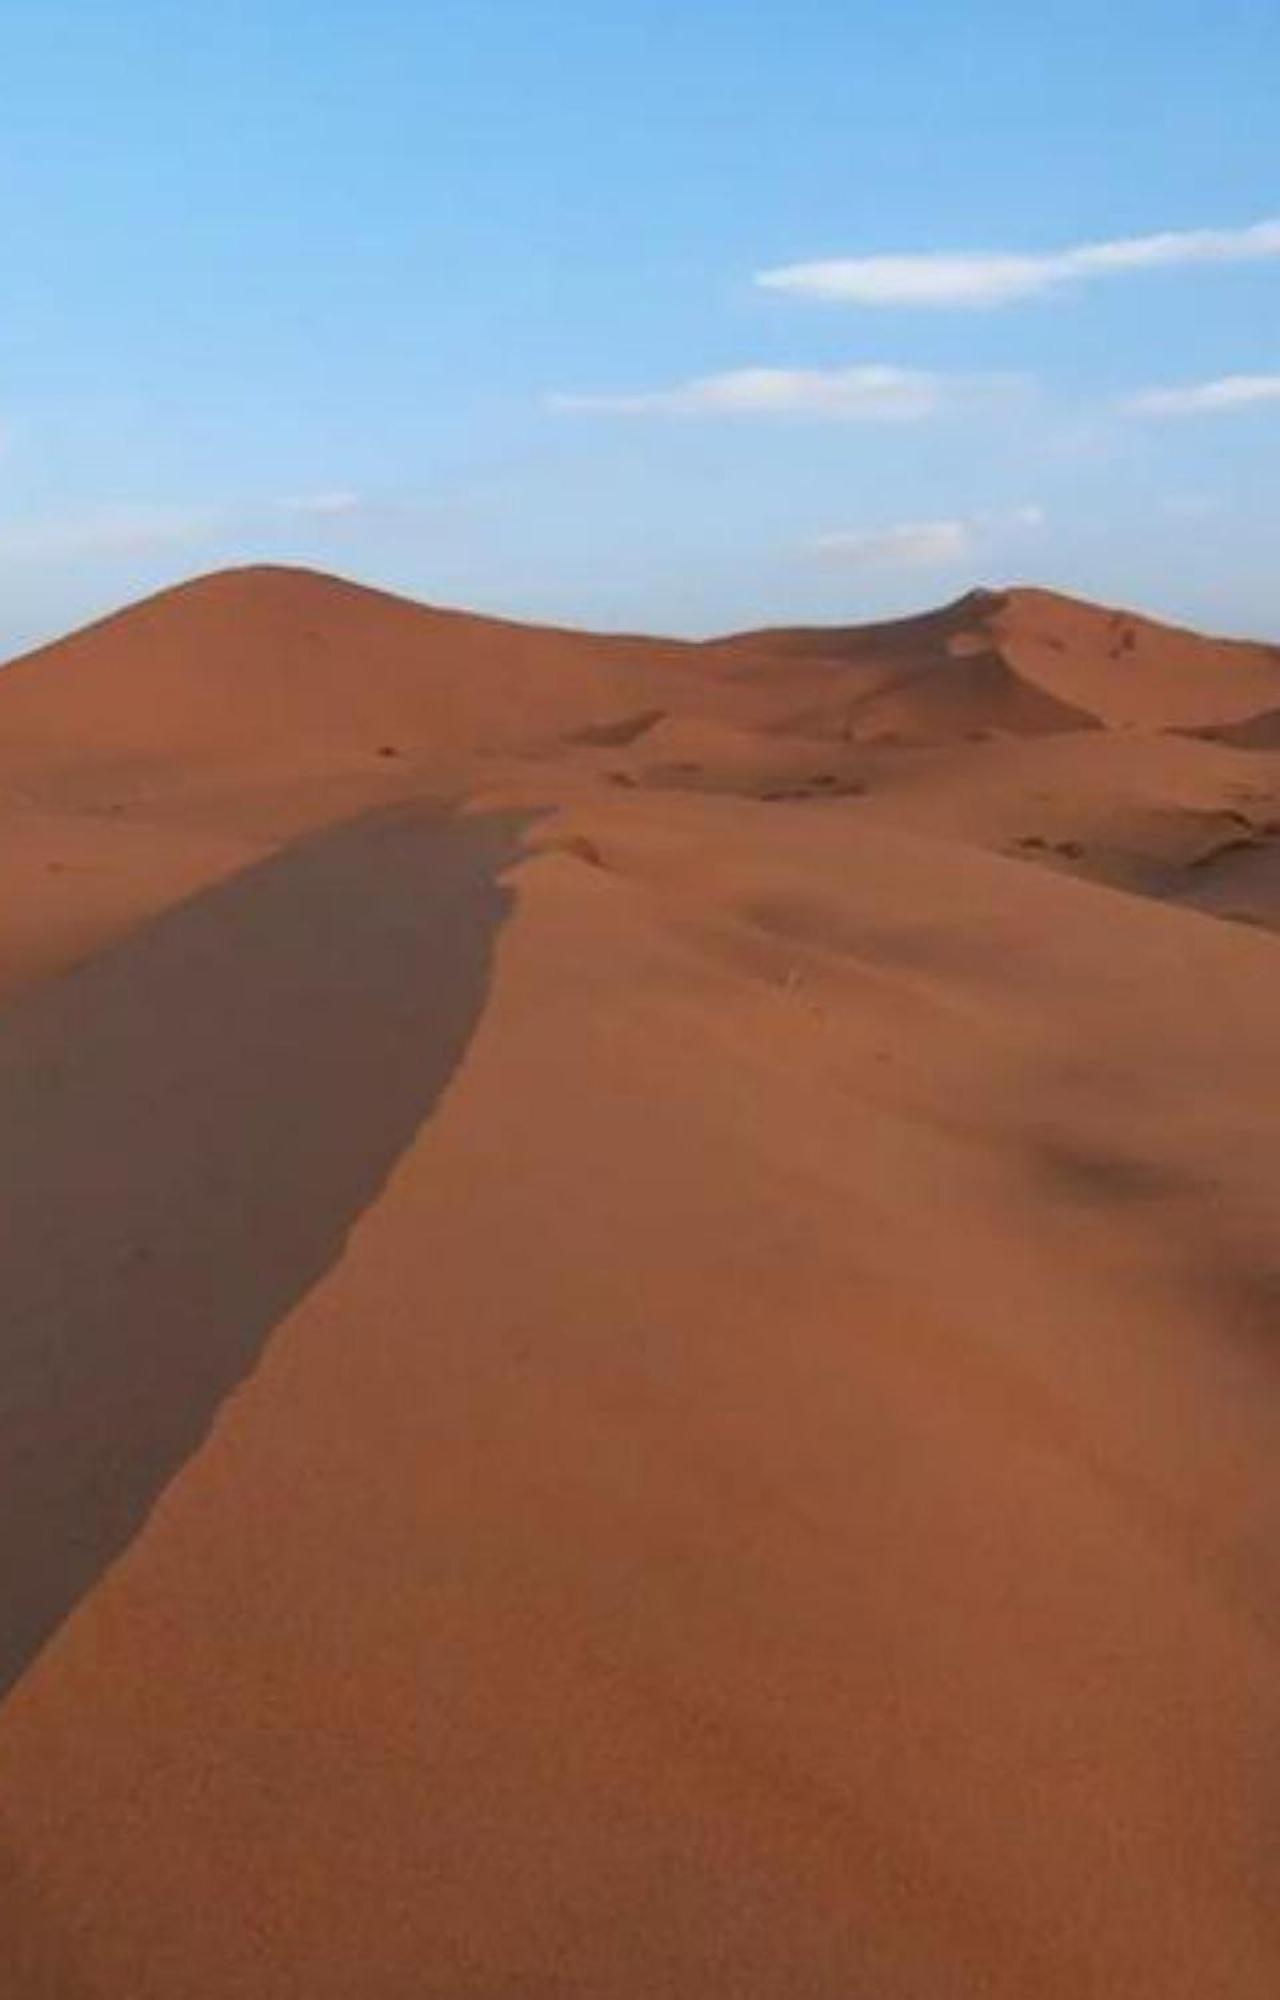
[{"x": 191, "y": 1123}]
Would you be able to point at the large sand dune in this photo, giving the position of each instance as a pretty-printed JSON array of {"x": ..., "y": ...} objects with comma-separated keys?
[{"x": 641, "y": 1308}]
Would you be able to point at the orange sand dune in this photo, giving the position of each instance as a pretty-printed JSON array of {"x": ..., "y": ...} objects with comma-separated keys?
[
  {"x": 1125, "y": 670},
  {"x": 260, "y": 664},
  {"x": 1255, "y": 732},
  {"x": 640, "y": 1340}
]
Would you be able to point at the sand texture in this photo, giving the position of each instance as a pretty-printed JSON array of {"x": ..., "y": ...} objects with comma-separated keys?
[{"x": 640, "y": 1345}]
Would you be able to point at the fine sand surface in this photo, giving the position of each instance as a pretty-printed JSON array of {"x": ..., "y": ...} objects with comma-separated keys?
[{"x": 641, "y": 1332}]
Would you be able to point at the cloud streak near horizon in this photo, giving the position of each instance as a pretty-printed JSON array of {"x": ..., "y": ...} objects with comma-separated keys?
[
  {"x": 907, "y": 545},
  {"x": 980, "y": 279},
  {"x": 1229, "y": 392},
  {"x": 137, "y": 529},
  {"x": 870, "y": 393},
  {"x": 924, "y": 544}
]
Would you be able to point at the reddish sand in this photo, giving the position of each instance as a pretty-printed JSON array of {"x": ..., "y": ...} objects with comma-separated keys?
[{"x": 641, "y": 1353}]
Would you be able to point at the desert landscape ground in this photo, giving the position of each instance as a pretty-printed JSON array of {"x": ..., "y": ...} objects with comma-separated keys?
[{"x": 641, "y": 1347}]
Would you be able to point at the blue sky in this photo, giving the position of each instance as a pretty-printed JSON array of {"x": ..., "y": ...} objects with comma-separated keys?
[{"x": 642, "y": 314}]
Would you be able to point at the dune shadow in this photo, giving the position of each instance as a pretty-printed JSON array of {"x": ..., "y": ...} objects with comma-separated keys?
[{"x": 189, "y": 1126}]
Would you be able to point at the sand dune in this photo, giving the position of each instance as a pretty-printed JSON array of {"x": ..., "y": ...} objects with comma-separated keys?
[
  {"x": 640, "y": 1339},
  {"x": 1124, "y": 670},
  {"x": 263, "y": 667},
  {"x": 1132, "y": 672},
  {"x": 1255, "y": 732},
  {"x": 974, "y": 694}
]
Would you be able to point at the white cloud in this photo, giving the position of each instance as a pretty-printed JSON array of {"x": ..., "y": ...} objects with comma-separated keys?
[
  {"x": 1231, "y": 392},
  {"x": 910, "y": 545},
  {"x": 872, "y": 393},
  {"x": 981, "y": 278},
  {"x": 927, "y": 544}
]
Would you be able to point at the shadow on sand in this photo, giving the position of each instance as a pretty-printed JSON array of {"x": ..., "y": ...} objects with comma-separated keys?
[{"x": 189, "y": 1127}]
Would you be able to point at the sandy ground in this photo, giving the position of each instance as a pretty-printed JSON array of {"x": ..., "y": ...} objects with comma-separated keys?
[{"x": 639, "y": 1350}]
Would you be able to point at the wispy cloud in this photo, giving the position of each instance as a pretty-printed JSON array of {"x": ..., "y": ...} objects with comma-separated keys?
[
  {"x": 909, "y": 545},
  {"x": 1230, "y": 392},
  {"x": 925, "y": 544},
  {"x": 871, "y": 393},
  {"x": 996, "y": 278},
  {"x": 140, "y": 529},
  {"x": 108, "y": 531},
  {"x": 322, "y": 504}
]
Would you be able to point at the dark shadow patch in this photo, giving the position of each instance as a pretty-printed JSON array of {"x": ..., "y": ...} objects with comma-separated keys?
[
  {"x": 1246, "y": 1299},
  {"x": 827, "y": 785},
  {"x": 1243, "y": 843},
  {"x": 1258, "y": 920},
  {"x": 1097, "y": 1174},
  {"x": 617, "y": 735},
  {"x": 1239, "y": 882},
  {"x": 577, "y": 846},
  {"x": 190, "y": 1125}
]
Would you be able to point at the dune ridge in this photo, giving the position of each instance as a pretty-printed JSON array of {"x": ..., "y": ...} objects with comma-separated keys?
[{"x": 193, "y": 1121}]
